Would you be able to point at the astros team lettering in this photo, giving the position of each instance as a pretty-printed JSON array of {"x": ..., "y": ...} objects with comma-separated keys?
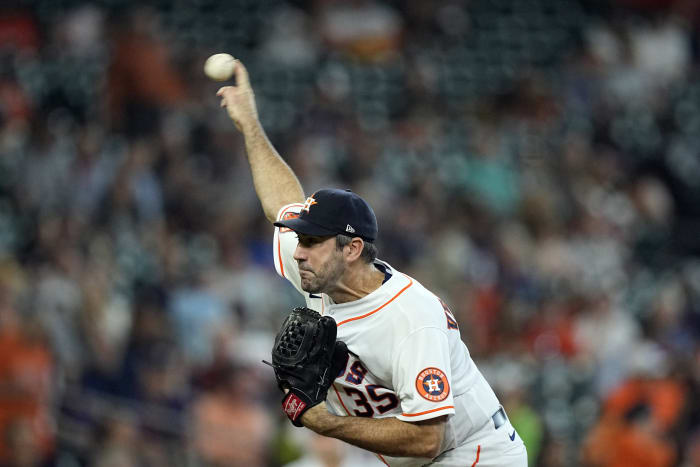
[
  {"x": 370, "y": 398},
  {"x": 451, "y": 321},
  {"x": 356, "y": 374},
  {"x": 432, "y": 384}
]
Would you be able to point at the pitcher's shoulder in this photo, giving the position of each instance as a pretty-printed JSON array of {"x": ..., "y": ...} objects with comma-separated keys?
[{"x": 418, "y": 306}]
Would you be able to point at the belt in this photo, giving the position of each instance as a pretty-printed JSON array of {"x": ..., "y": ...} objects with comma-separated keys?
[{"x": 499, "y": 418}]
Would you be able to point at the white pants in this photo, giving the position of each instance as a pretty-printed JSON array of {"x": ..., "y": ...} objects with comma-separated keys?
[{"x": 488, "y": 447}]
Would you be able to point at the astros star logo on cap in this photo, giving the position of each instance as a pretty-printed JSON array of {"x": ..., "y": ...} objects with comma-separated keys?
[
  {"x": 310, "y": 201},
  {"x": 336, "y": 212}
]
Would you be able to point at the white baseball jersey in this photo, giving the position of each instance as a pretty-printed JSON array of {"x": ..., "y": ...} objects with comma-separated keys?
[{"x": 407, "y": 359}]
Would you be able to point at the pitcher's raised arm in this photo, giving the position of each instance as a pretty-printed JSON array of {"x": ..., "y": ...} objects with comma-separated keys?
[{"x": 275, "y": 183}]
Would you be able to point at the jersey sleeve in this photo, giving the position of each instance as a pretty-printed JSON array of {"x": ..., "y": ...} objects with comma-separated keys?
[
  {"x": 421, "y": 375},
  {"x": 284, "y": 244}
]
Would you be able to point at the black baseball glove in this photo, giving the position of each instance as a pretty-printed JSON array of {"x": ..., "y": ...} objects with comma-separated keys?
[{"x": 306, "y": 359}]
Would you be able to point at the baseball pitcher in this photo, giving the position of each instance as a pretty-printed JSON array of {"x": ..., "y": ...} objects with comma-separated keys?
[{"x": 374, "y": 359}]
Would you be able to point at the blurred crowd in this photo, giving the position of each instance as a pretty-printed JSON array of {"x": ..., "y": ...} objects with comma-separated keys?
[{"x": 534, "y": 162}]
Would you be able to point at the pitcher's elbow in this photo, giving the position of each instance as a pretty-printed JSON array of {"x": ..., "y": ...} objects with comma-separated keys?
[{"x": 431, "y": 446}]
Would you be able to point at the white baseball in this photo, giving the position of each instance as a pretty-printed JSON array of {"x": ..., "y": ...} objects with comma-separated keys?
[{"x": 219, "y": 67}]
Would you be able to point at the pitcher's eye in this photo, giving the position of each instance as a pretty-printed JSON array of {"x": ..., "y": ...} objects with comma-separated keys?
[
  {"x": 310, "y": 240},
  {"x": 305, "y": 240}
]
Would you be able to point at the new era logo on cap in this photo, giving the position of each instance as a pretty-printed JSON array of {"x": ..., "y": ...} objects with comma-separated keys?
[{"x": 333, "y": 212}]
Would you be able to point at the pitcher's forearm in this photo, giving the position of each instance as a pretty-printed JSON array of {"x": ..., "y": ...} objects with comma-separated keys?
[
  {"x": 389, "y": 436},
  {"x": 274, "y": 181}
]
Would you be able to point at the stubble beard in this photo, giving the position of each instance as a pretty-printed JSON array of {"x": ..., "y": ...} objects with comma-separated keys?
[{"x": 325, "y": 278}]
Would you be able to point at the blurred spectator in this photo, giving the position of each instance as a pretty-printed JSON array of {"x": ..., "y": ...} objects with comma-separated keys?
[
  {"x": 606, "y": 335},
  {"x": 23, "y": 447},
  {"x": 229, "y": 428},
  {"x": 81, "y": 32},
  {"x": 164, "y": 394},
  {"x": 26, "y": 379},
  {"x": 92, "y": 172},
  {"x": 691, "y": 454},
  {"x": 136, "y": 191},
  {"x": 290, "y": 40},
  {"x": 44, "y": 169},
  {"x": 243, "y": 287},
  {"x": 198, "y": 316},
  {"x": 320, "y": 451},
  {"x": 142, "y": 78},
  {"x": 639, "y": 416},
  {"x": 59, "y": 299},
  {"x": 661, "y": 49},
  {"x": 19, "y": 30},
  {"x": 15, "y": 108},
  {"x": 363, "y": 29},
  {"x": 119, "y": 444},
  {"x": 628, "y": 441}
]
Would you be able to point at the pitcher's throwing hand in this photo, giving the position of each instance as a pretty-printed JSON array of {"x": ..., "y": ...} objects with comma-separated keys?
[{"x": 239, "y": 99}]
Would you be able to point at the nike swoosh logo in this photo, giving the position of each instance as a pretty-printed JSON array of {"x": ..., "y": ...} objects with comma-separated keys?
[{"x": 512, "y": 436}]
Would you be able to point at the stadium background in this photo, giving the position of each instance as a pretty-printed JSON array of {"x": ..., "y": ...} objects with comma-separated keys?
[{"x": 535, "y": 162}]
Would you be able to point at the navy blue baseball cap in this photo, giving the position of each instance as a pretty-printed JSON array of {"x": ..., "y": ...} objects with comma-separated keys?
[{"x": 332, "y": 212}]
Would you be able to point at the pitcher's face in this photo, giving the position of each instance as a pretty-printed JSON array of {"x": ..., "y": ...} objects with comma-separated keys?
[{"x": 320, "y": 263}]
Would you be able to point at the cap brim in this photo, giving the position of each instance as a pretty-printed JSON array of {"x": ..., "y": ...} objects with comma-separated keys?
[{"x": 305, "y": 227}]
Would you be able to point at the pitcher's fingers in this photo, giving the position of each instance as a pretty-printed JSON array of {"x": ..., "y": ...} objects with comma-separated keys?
[
  {"x": 220, "y": 92},
  {"x": 241, "y": 74}
]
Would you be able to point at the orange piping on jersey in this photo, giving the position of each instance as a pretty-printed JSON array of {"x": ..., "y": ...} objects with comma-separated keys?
[
  {"x": 478, "y": 450},
  {"x": 279, "y": 255},
  {"x": 382, "y": 459},
  {"x": 428, "y": 411},
  {"x": 341, "y": 400},
  {"x": 377, "y": 309},
  {"x": 279, "y": 242}
]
